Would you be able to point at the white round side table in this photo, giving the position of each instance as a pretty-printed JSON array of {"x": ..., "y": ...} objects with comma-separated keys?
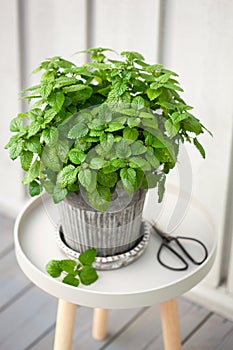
[{"x": 142, "y": 283}]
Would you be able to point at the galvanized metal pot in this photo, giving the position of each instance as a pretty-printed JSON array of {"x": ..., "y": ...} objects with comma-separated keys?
[{"x": 112, "y": 232}]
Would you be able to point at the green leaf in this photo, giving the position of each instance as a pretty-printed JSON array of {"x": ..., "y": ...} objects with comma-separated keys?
[
  {"x": 85, "y": 91},
  {"x": 115, "y": 101},
  {"x": 166, "y": 104},
  {"x": 62, "y": 150},
  {"x": 132, "y": 55},
  {"x": 87, "y": 178},
  {"x": 50, "y": 136},
  {"x": 137, "y": 148},
  {"x": 105, "y": 193},
  {"x": 49, "y": 115},
  {"x": 105, "y": 146},
  {"x": 73, "y": 188},
  {"x": 152, "y": 159},
  {"x": 161, "y": 188},
  {"x": 56, "y": 100},
  {"x": 172, "y": 129},
  {"x": 118, "y": 163},
  {"x": 98, "y": 66},
  {"x": 131, "y": 112},
  {"x": 153, "y": 93},
  {"x": 121, "y": 120},
  {"x": 96, "y": 124},
  {"x": 114, "y": 126},
  {"x": 68, "y": 266},
  {"x": 88, "y": 275},
  {"x": 97, "y": 163},
  {"x": 192, "y": 124},
  {"x": 132, "y": 122},
  {"x": 108, "y": 180},
  {"x": 118, "y": 88},
  {"x": 122, "y": 149},
  {"x": 31, "y": 88},
  {"x": 199, "y": 147},
  {"x": 34, "y": 188},
  {"x": 26, "y": 159},
  {"x": 34, "y": 127},
  {"x": 46, "y": 89},
  {"x": 178, "y": 117},
  {"x": 71, "y": 280},
  {"x": 152, "y": 180},
  {"x": 163, "y": 155},
  {"x": 16, "y": 124},
  {"x": 67, "y": 176},
  {"x": 156, "y": 142},
  {"x": 49, "y": 186},
  {"x": 97, "y": 201},
  {"x": 34, "y": 114},
  {"x": 104, "y": 113},
  {"x": 50, "y": 159},
  {"x": 150, "y": 123},
  {"x": 64, "y": 81},
  {"x": 61, "y": 63},
  {"x": 32, "y": 173},
  {"x": 12, "y": 141},
  {"x": 161, "y": 79},
  {"x": 33, "y": 144},
  {"x": 130, "y": 133},
  {"x": 139, "y": 102},
  {"x": 88, "y": 257},
  {"x": 59, "y": 194},
  {"x": 128, "y": 177},
  {"x": 146, "y": 115},
  {"x": 172, "y": 86},
  {"x": 53, "y": 268},
  {"x": 16, "y": 149},
  {"x": 96, "y": 133},
  {"x": 76, "y": 156},
  {"x": 140, "y": 162},
  {"x": 77, "y": 131}
]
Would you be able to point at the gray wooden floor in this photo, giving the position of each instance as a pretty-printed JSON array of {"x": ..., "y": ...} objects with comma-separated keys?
[{"x": 27, "y": 317}]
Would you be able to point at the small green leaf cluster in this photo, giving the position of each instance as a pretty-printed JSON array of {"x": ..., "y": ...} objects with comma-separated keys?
[
  {"x": 103, "y": 124},
  {"x": 72, "y": 272}
]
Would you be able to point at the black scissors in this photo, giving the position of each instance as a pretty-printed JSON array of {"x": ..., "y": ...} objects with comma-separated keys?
[{"x": 167, "y": 239}]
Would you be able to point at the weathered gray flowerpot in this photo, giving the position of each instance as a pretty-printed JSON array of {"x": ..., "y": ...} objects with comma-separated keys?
[{"x": 112, "y": 232}]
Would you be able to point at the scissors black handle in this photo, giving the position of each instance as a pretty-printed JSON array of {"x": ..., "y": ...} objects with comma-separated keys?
[
  {"x": 167, "y": 246},
  {"x": 178, "y": 238},
  {"x": 167, "y": 239}
]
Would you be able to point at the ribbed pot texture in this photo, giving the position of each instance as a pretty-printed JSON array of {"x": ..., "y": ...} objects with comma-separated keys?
[{"x": 112, "y": 232}]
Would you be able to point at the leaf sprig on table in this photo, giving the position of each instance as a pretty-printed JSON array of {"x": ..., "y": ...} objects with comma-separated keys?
[{"x": 72, "y": 272}]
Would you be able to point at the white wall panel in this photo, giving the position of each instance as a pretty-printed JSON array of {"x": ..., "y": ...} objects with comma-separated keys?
[
  {"x": 198, "y": 45},
  {"x": 11, "y": 191},
  {"x": 127, "y": 25},
  {"x": 54, "y": 27}
]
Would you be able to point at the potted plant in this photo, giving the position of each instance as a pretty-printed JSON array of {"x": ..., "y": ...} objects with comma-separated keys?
[{"x": 97, "y": 137}]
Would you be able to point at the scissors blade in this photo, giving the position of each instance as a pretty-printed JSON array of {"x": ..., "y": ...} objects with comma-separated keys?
[{"x": 159, "y": 232}]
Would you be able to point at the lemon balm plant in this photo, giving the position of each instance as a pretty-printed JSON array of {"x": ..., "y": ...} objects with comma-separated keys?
[
  {"x": 136, "y": 128},
  {"x": 106, "y": 125}
]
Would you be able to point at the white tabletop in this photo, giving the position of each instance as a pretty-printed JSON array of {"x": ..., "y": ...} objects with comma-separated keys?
[{"x": 142, "y": 283}]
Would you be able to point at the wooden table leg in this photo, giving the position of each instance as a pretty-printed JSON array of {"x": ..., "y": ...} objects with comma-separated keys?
[
  {"x": 170, "y": 325},
  {"x": 100, "y": 324},
  {"x": 65, "y": 324}
]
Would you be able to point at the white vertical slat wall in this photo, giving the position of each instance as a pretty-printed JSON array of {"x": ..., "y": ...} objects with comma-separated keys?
[
  {"x": 198, "y": 44},
  {"x": 11, "y": 191},
  {"x": 193, "y": 38}
]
